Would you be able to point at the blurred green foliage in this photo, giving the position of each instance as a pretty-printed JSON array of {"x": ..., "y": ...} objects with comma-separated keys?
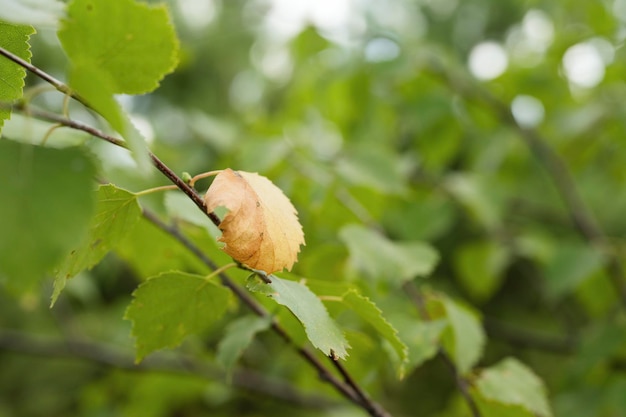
[{"x": 406, "y": 125}]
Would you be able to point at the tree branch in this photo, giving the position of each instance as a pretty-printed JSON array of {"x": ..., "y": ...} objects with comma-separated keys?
[
  {"x": 60, "y": 86},
  {"x": 344, "y": 389},
  {"x": 258, "y": 309},
  {"x": 110, "y": 356},
  {"x": 372, "y": 407}
]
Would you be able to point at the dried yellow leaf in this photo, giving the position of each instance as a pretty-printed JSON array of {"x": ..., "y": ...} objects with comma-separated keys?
[{"x": 261, "y": 229}]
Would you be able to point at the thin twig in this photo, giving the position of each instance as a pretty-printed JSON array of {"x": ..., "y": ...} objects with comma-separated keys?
[
  {"x": 155, "y": 190},
  {"x": 111, "y": 356},
  {"x": 371, "y": 407}
]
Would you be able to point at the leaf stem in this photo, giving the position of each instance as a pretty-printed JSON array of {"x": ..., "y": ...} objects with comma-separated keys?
[
  {"x": 219, "y": 270},
  {"x": 156, "y": 190},
  {"x": 49, "y": 132},
  {"x": 208, "y": 174},
  {"x": 330, "y": 298}
]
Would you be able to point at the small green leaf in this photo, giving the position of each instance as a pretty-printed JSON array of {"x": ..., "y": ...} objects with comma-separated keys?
[
  {"x": 510, "y": 382},
  {"x": 239, "y": 335},
  {"x": 480, "y": 267},
  {"x": 466, "y": 338},
  {"x": 473, "y": 192},
  {"x": 47, "y": 203},
  {"x": 422, "y": 338},
  {"x": 381, "y": 258},
  {"x": 321, "y": 330},
  {"x": 373, "y": 167},
  {"x": 167, "y": 308},
  {"x": 15, "y": 40},
  {"x": 117, "y": 212},
  {"x": 133, "y": 43},
  {"x": 369, "y": 312}
]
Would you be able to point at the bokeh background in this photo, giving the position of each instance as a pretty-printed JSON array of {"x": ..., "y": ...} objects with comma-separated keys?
[{"x": 493, "y": 130}]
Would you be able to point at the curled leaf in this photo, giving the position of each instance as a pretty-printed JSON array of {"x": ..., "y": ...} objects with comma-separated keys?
[{"x": 261, "y": 229}]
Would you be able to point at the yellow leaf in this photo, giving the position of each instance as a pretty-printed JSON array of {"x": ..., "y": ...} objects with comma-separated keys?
[{"x": 261, "y": 229}]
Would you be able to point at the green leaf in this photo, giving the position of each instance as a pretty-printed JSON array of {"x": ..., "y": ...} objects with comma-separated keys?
[
  {"x": 47, "y": 203},
  {"x": 167, "y": 308},
  {"x": 480, "y": 267},
  {"x": 369, "y": 312},
  {"x": 373, "y": 167},
  {"x": 239, "y": 335},
  {"x": 381, "y": 258},
  {"x": 465, "y": 339},
  {"x": 474, "y": 193},
  {"x": 422, "y": 338},
  {"x": 15, "y": 40},
  {"x": 430, "y": 219},
  {"x": 96, "y": 86},
  {"x": 133, "y": 43},
  {"x": 321, "y": 330},
  {"x": 510, "y": 382},
  {"x": 117, "y": 212}
]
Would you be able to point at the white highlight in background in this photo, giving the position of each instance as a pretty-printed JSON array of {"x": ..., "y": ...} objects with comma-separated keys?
[
  {"x": 527, "y": 111},
  {"x": 584, "y": 63},
  {"x": 488, "y": 60},
  {"x": 381, "y": 50}
]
